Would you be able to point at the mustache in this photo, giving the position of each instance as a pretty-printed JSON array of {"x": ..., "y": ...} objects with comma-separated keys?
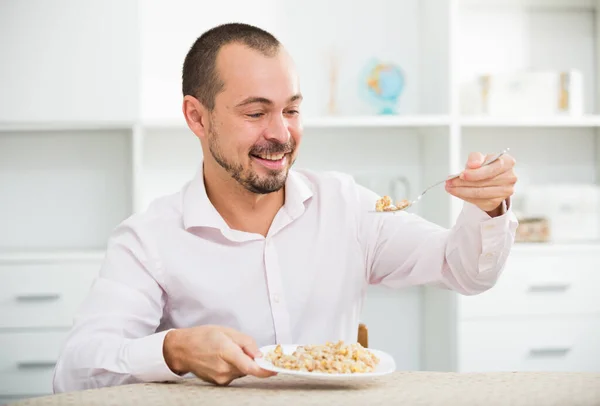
[{"x": 273, "y": 147}]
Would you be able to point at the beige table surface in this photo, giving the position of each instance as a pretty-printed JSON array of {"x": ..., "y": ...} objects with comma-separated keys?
[{"x": 400, "y": 388}]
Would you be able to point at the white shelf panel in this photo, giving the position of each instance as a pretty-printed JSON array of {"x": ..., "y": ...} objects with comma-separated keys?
[
  {"x": 584, "y": 121},
  {"x": 51, "y": 256},
  {"x": 547, "y": 4},
  {"x": 64, "y": 126},
  {"x": 393, "y": 121},
  {"x": 545, "y": 155},
  {"x": 66, "y": 190},
  {"x": 543, "y": 248},
  {"x": 377, "y": 121}
]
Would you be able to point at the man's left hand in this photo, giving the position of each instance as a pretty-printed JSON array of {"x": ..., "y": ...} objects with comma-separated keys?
[{"x": 488, "y": 186}]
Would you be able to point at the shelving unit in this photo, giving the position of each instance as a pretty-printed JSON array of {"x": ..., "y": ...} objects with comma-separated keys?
[{"x": 78, "y": 159}]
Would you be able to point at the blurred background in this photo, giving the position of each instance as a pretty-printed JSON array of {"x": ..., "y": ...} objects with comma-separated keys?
[{"x": 397, "y": 93}]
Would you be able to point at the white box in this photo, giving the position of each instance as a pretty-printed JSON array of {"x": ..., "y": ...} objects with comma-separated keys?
[
  {"x": 530, "y": 93},
  {"x": 572, "y": 210}
]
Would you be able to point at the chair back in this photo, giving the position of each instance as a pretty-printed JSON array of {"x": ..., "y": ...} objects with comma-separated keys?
[{"x": 363, "y": 335}]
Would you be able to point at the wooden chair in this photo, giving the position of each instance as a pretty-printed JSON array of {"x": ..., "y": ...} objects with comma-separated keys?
[{"x": 363, "y": 335}]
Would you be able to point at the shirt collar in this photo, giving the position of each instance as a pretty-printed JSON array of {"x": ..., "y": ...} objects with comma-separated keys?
[{"x": 198, "y": 210}]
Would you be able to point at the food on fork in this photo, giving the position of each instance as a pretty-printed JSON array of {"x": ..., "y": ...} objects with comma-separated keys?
[
  {"x": 385, "y": 204},
  {"x": 402, "y": 204},
  {"x": 333, "y": 358}
]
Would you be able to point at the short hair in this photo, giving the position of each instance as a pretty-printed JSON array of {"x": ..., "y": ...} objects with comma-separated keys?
[{"x": 200, "y": 77}]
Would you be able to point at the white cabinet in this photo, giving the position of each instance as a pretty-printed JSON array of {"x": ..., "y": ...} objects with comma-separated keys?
[
  {"x": 27, "y": 360},
  {"x": 544, "y": 314},
  {"x": 551, "y": 343},
  {"x": 39, "y": 295},
  {"x": 43, "y": 294}
]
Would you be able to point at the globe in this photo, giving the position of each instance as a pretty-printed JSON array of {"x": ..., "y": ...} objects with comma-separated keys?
[{"x": 382, "y": 84}]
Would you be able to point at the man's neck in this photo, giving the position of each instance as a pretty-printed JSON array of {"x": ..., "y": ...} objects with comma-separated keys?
[{"x": 241, "y": 209}]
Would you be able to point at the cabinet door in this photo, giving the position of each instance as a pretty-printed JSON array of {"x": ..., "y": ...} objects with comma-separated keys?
[
  {"x": 27, "y": 362},
  {"x": 540, "y": 283},
  {"x": 43, "y": 295},
  {"x": 530, "y": 344}
]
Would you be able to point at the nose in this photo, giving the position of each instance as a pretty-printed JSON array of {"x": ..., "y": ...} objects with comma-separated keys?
[{"x": 278, "y": 129}]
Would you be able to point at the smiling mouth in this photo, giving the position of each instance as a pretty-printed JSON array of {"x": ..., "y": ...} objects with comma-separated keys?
[
  {"x": 269, "y": 157},
  {"x": 271, "y": 161}
]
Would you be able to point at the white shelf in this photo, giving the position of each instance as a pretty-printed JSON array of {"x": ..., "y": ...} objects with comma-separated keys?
[
  {"x": 584, "y": 121},
  {"x": 377, "y": 121},
  {"x": 332, "y": 122},
  {"x": 383, "y": 121},
  {"x": 556, "y": 247},
  {"x": 65, "y": 126},
  {"x": 51, "y": 256},
  {"x": 548, "y": 4}
]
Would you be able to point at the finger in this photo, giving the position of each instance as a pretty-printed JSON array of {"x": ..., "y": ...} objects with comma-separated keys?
[
  {"x": 234, "y": 355},
  {"x": 505, "y": 178},
  {"x": 494, "y": 169},
  {"x": 475, "y": 160},
  {"x": 247, "y": 344},
  {"x": 485, "y": 192}
]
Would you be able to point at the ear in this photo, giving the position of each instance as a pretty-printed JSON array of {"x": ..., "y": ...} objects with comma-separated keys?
[{"x": 196, "y": 116}]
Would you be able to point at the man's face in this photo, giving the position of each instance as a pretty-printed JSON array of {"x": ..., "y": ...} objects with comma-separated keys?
[{"x": 255, "y": 129}]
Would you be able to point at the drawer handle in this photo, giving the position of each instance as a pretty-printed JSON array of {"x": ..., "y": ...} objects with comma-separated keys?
[
  {"x": 38, "y": 297},
  {"x": 553, "y": 288},
  {"x": 36, "y": 364},
  {"x": 549, "y": 352}
]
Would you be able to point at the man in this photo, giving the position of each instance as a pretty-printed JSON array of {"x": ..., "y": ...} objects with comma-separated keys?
[{"x": 251, "y": 253}]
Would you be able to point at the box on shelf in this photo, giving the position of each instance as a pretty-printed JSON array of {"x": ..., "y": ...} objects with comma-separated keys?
[
  {"x": 527, "y": 93},
  {"x": 572, "y": 211},
  {"x": 533, "y": 230}
]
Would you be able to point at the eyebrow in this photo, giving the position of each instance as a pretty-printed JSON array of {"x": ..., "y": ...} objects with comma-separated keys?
[{"x": 263, "y": 100}]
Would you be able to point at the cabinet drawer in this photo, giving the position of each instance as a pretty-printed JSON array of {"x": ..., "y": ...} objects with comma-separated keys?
[
  {"x": 27, "y": 362},
  {"x": 43, "y": 294},
  {"x": 554, "y": 344},
  {"x": 541, "y": 282}
]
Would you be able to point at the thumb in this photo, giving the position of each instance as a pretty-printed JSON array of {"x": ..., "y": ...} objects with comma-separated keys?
[{"x": 476, "y": 159}]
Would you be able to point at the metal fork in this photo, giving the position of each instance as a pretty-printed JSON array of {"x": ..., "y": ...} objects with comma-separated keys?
[{"x": 410, "y": 204}]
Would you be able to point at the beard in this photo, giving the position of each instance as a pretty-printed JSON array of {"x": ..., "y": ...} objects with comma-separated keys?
[{"x": 247, "y": 177}]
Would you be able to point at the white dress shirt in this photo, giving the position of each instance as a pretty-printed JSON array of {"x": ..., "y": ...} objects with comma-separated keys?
[{"x": 179, "y": 265}]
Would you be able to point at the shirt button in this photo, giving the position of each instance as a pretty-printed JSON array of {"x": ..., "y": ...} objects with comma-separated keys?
[
  {"x": 276, "y": 298},
  {"x": 489, "y": 255},
  {"x": 489, "y": 227}
]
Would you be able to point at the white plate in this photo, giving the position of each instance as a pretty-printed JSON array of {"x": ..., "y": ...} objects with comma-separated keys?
[{"x": 386, "y": 365}]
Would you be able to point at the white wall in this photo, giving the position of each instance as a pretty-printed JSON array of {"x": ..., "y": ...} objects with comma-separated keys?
[{"x": 68, "y": 60}]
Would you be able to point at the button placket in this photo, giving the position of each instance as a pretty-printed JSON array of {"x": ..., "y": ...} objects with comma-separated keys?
[{"x": 281, "y": 318}]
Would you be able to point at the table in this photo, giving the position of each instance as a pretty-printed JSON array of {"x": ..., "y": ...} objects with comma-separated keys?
[{"x": 400, "y": 388}]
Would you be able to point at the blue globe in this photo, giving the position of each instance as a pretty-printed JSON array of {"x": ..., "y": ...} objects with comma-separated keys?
[{"x": 382, "y": 84}]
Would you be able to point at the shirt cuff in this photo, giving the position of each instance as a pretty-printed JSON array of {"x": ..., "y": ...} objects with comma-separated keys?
[
  {"x": 147, "y": 361},
  {"x": 496, "y": 234}
]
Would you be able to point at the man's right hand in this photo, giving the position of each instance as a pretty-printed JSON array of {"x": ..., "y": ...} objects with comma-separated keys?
[{"x": 212, "y": 353}]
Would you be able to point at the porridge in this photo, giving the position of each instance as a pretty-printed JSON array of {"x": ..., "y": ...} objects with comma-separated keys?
[
  {"x": 385, "y": 204},
  {"x": 336, "y": 358}
]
